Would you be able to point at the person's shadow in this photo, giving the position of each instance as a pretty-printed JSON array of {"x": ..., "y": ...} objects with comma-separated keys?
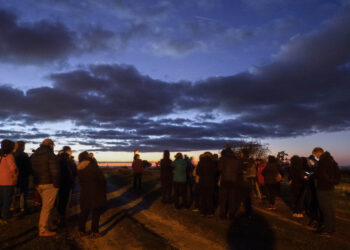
[{"x": 250, "y": 233}]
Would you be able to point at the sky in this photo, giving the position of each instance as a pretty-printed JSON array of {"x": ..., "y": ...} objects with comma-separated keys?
[{"x": 110, "y": 76}]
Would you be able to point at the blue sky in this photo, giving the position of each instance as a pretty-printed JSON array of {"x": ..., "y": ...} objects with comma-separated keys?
[{"x": 110, "y": 76}]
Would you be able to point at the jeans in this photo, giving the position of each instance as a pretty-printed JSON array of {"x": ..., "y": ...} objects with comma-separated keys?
[
  {"x": 6, "y": 193},
  {"x": 325, "y": 202}
]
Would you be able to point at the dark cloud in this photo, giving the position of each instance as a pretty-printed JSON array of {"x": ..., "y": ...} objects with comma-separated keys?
[
  {"x": 304, "y": 91},
  {"x": 45, "y": 41},
  {"x": 101, "y": 93},
  {"x": 33, "y": 42}
]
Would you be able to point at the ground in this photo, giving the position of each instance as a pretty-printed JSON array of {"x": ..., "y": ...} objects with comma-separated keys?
[{"x": 138, "y": 220}]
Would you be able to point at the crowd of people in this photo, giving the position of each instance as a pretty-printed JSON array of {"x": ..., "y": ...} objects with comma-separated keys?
[
  {"x": 215, "y": 182},
  {"x": 231, "y": 180},
  {"x": 54, "y": 179}
]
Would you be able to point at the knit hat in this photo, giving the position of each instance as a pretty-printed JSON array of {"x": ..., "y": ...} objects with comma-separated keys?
[{"x": 47, "y": 142}]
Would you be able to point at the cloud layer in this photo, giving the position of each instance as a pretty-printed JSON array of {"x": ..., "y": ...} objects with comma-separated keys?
[{"x": 305, "y": 90}]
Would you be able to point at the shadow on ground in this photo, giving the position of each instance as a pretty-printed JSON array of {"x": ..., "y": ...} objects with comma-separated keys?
[{"x": 254, "y": 233}]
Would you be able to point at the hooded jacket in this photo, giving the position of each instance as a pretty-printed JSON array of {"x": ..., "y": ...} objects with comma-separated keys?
[
  {"x": 93, "y": 192},
  {"x": 8, "y": 171},
  {"x": 45, "y": 167}
]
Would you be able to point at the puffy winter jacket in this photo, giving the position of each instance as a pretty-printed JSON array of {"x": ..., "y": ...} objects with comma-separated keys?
[
  {"x": 8, "y": 171},
  {"x": 93, "y": 191},
  {"x": 45, "y": 167}
]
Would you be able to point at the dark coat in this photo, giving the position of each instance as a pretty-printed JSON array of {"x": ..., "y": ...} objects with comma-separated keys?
[
  {"x": 230, "y": 169},
  {"x": 326, "y": 168},
  {"x": 93, "y": 193},
  {"x": 137, "y": 166},
  {"x": 296, "y": 172},
  {"x": 68, "y": 170},
  {"x": 166, "y": 170},
  {"x": 45, "y": 167},
  {"x": 270, "y": 172},
  {"x": 24, "y": 168},
  {"x": 207, "y": 171}
]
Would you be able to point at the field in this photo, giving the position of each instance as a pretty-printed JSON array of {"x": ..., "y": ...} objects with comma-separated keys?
[{"x": 138, "y": 220}]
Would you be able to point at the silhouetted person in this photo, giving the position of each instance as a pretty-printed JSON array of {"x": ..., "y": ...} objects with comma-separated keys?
[
  {"x": 207, "y": 171},
  {"x": 93, "y": 191},
  {"x": 180, "y": 181},
  {"x": 24, "y": 168},
  {"x": 297, "y": 176},
  {"x": 245, "y": 189},
  {"x": 190, "y": 181},
  {"x": 137, "y": 167},
  {"x": 230, "y": 170},
  {"x": 196, "y": 190},
  {"x": 311, "y": 201},
  {"x": 166, "y": 177},
  {"x": 68, "y": 172},
  {"x": 260, "y": 177},
  {"x": 327, "y": 176},
  {"x": 272, "y": 178},
  {"x": 47, "y": 179},
  {"x": 8, "y": 179}
]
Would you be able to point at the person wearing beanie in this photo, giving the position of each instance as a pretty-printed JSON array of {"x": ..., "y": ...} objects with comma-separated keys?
[
  {"x": 46, "y": 178},
  {"x": 8, "y": 179}
]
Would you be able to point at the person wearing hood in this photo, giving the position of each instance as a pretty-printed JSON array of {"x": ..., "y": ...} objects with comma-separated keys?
[
  {"x": 46, "y": 174},
  {"x": 93, "y": 193},
  {"x": 207, "y": 170},
  {"x": 8, "y": 179},
  {"x": 327, "y": 175}
]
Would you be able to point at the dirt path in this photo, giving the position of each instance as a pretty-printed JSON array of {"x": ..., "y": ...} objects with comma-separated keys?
[
  {"x": 138, "y": 221},
  {"x": 168, "y": 232}
]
